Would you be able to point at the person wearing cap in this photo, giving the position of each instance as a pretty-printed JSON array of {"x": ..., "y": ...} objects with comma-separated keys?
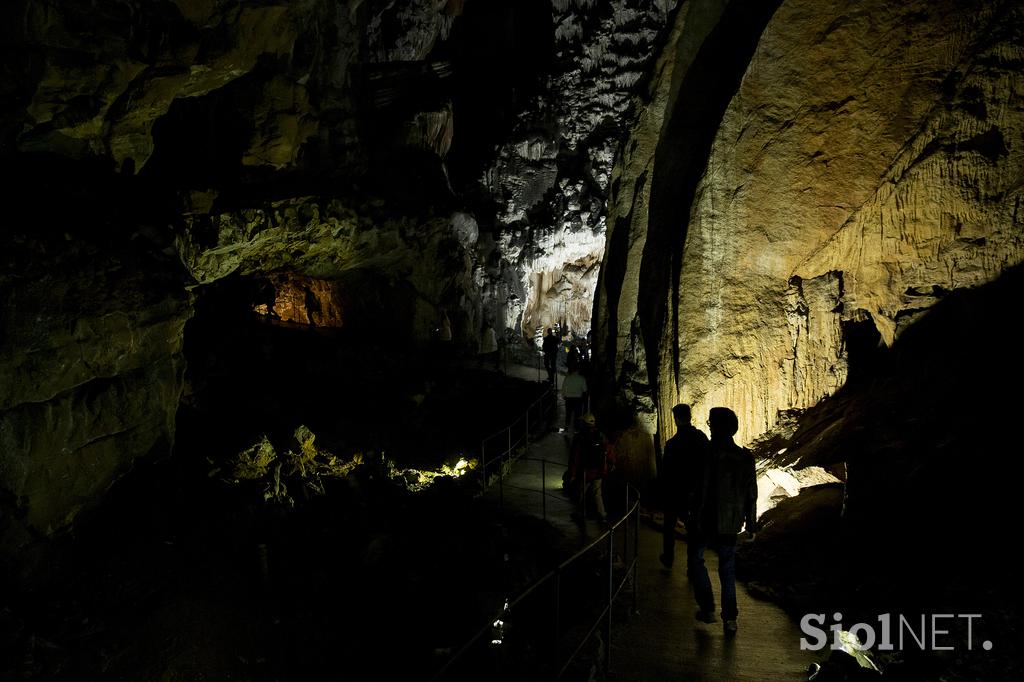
[{"x": 591, "y": 460}]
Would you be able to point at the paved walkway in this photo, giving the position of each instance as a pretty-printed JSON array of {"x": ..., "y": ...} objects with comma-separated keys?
[{"x": 663, "y": 641}]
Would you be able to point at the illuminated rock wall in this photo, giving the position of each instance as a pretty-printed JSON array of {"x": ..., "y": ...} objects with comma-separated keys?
[
  {"x": 304, "y": 300},
  {"x": 551, "y": 178},
  {"x": 866, "y": 160},
  {"x": 383, "y": 270}
]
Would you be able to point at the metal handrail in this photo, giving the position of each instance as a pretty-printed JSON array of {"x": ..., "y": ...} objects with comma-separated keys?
[
  {"x": 633, "y": 512},
  {"x": 511, "y": 447}
]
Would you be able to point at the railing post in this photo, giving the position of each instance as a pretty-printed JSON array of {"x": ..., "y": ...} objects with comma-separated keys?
[
  {"x": 543, "y": 489},
  {"x": 483, "y": 464},
  {"x": 608, "y": 621},
  {"x": 558, "y": 608},
  {"x": 636, "y": 554}
]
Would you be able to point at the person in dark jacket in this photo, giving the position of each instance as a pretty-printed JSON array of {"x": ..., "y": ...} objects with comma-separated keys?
[
  {"x": 725, "y": 502},
  {"x": 591, "y": 459},
  {"x": 680, "y": 476},
  {"x": 550, "y": 347}
]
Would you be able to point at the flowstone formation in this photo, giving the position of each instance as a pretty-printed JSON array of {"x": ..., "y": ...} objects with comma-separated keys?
[
  {"x": 844, "y": 169},
  {"x": 551, "y": 179}
]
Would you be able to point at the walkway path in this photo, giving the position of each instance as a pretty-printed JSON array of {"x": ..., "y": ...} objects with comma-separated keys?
[{"x": 663, "y": 641}]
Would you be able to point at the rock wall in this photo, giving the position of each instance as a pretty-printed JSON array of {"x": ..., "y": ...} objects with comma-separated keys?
[
  {"x": 619, "y": 337},
  {"x": 862, "y": 161},
  {"x": 107, "y": 73},
  {"x": 143, "y": 124},
  {"x": 418, "y": 265},
  {"x": 270, "y": 86},
  {"x": 551, "y": 178},
  {"x": 91, "y": 365}
]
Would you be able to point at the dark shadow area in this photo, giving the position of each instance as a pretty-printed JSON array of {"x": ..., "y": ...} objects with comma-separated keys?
[
  {"x": 182, "y": 574},
  {"x": 934, "y": 470},
  {"x": 500, "y": 51},
  {"x": 360, "y": 387},
  {"x": 199, "y": 142},
  {"x": 864, "y": 349}
]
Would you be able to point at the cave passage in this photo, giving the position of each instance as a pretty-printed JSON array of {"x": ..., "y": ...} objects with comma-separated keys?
[{"x": 276, "y": 398}]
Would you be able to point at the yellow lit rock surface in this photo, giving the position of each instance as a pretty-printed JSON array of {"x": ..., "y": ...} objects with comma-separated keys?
[
  {"x": 305, "y": 300},
  {"x": 870, "y": 159},
  {"x": 324, "y": 247}
]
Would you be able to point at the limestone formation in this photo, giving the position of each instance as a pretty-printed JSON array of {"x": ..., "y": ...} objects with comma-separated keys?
[
  {"x": 101, "y": 91},
  {"x": 867, "y": 162},
  {"x": 551, "y": 179},
  {"x": 91, "y": 367},
  {"x": 618, "y": 333},
  {"x": 322, "y": 248}
]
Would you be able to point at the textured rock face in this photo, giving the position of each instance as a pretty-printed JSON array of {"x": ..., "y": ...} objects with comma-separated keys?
[
  {"x": 408, "y": 31},
  {"x": 618, "y": 332},
  {"x": 92, "y": 372},
  {"x": 867, "y": 162},
  {"x": 414, "y": 264},
  {"x": 304, "y": 300},
  {"x": 108, "y": 73},
  {"x": 97, "y": 79},
  {"x": 551, "y": 179}
]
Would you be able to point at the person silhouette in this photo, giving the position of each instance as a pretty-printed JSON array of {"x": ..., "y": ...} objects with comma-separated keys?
[
  {"x": 727, "y": 499},
  {"x": 550, "y": 347},
  {"x": 590, "y": 461},
  {"x": 680, "y": 477},
  {"x": 312, "y": 305}
]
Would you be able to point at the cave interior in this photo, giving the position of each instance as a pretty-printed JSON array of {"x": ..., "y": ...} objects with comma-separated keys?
[{"x": 253, "y": 251}]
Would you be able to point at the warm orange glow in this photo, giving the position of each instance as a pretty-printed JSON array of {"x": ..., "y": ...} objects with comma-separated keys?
[{"x": 304, "y": 300}]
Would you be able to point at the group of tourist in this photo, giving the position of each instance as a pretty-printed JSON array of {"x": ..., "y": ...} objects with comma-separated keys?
[{"x": 709, "y": 484}]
